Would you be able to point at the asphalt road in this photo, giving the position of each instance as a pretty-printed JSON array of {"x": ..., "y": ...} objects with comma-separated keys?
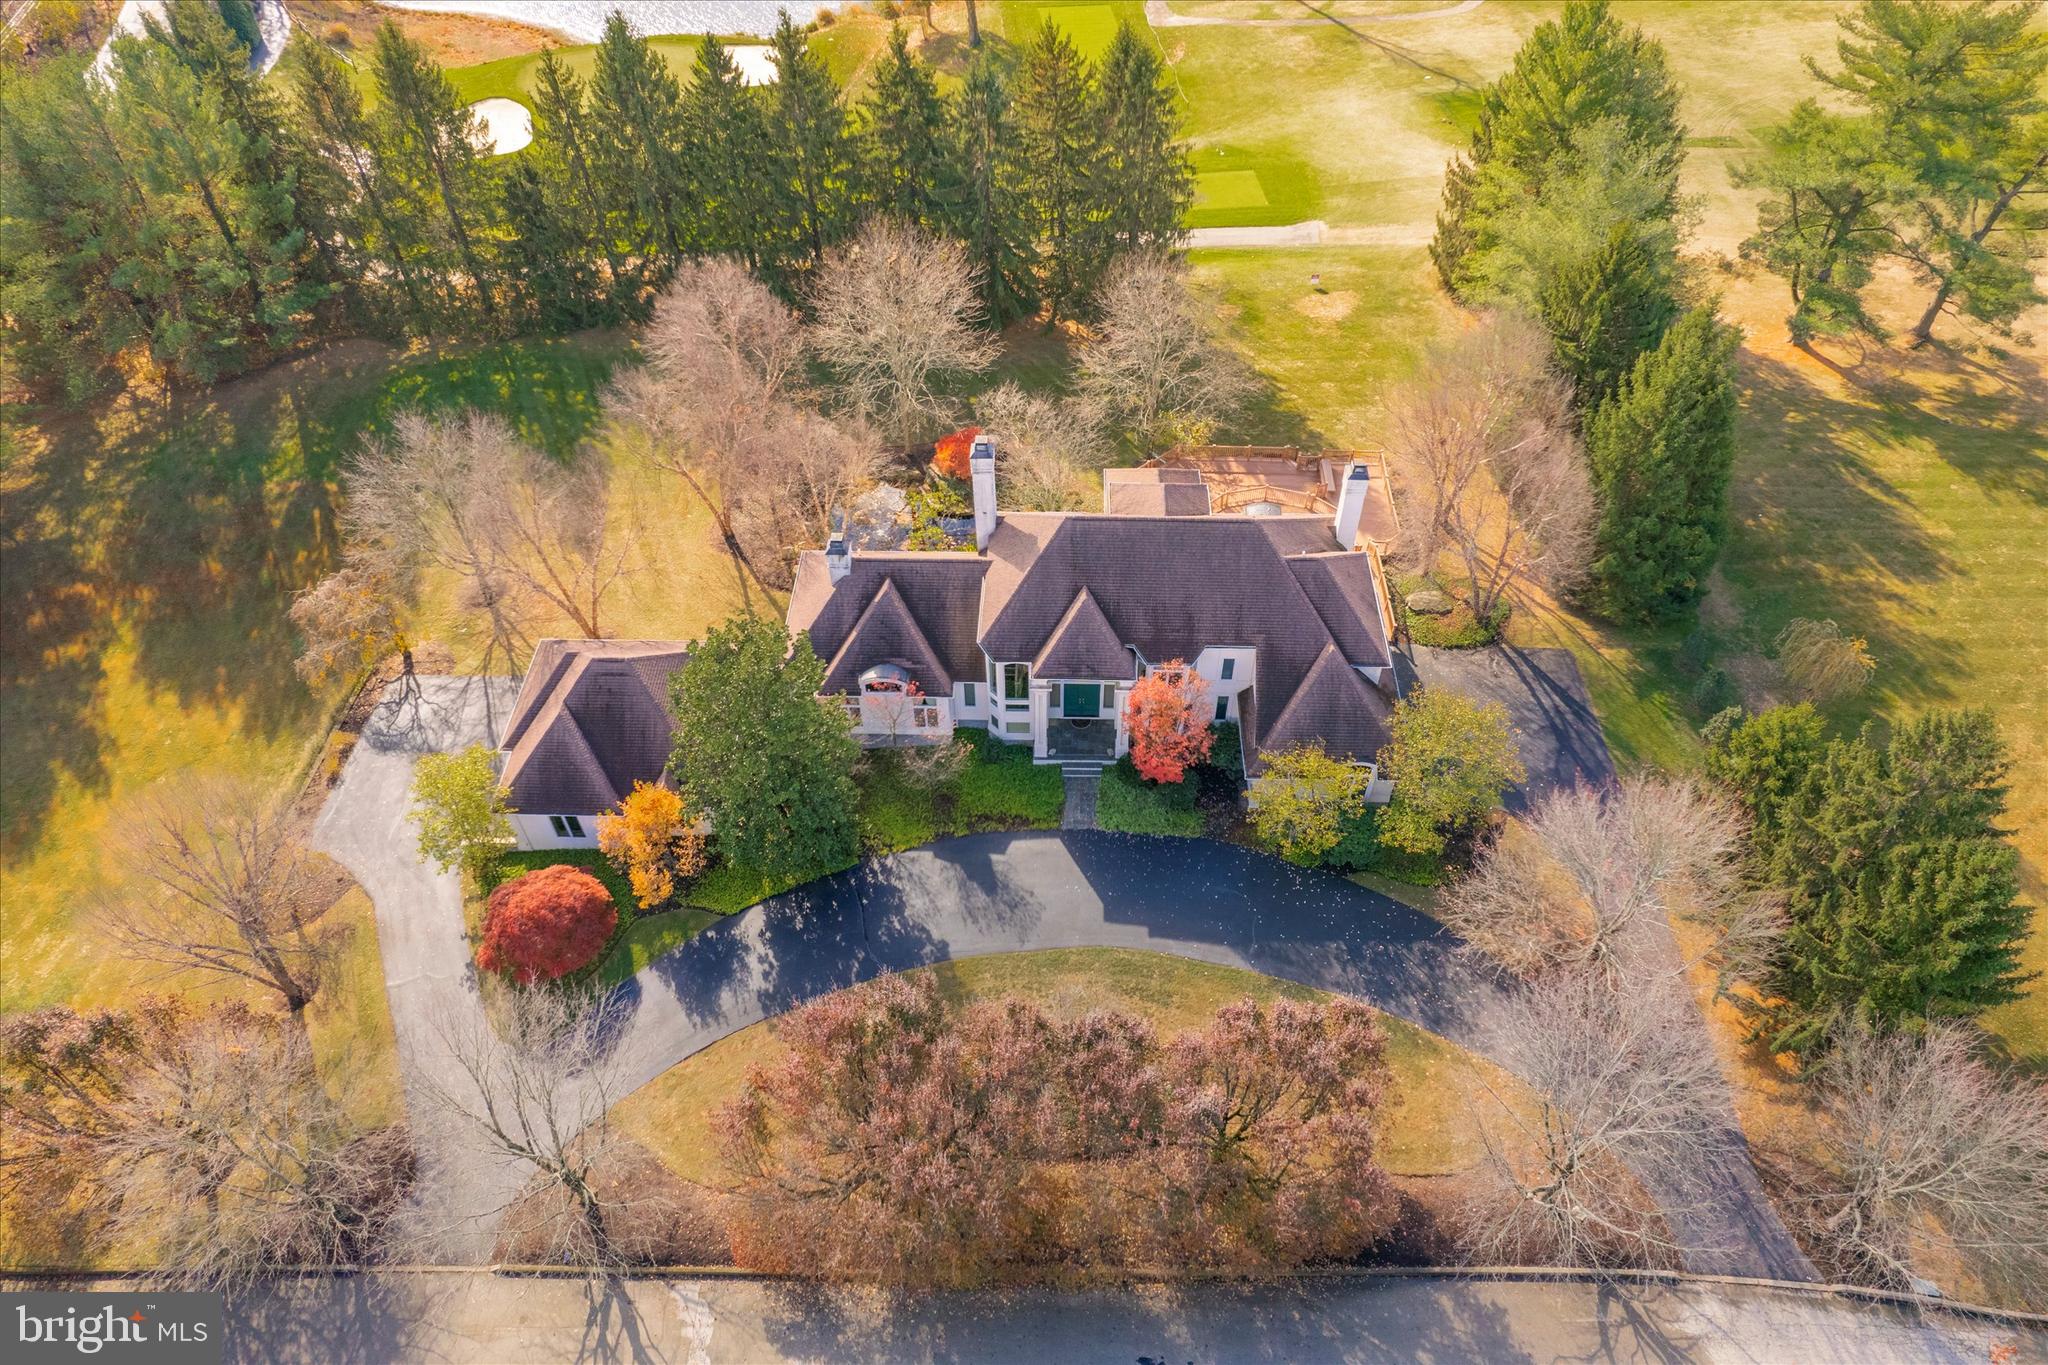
[{"x": 454, "y": 1318}]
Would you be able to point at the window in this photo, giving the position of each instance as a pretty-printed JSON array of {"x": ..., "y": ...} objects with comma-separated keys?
[
  {"x": 924, "y": 717},
  {"x": 967, "y": 696},
  {"x": 1223, "y": 708},
  {"x": 1016, "y": 682},
  {"x": 566, "y": 826},
  {"x": 1229, "y": 667}
]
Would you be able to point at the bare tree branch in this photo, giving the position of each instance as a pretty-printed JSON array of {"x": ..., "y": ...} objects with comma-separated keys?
[
  {"x": 898, "y": 311},
  {"x": 556, "y": 534},
  {"x": 219, "y": 884},
  {"x": 1625, "y": 1093},
  {"x": 1048, "y": 445},
  {"x": 1491, "y": 465},
  {"x": 1153, "y": 367}
]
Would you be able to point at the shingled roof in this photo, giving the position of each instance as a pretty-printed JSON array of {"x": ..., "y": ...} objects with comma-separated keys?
[
  {"x": 1084, "y": 645},
  {"x": 1076, "y": 593},
  {"x": 591, "y": 719},
  {"x": 1155, "y": 491},
  {"x": 887, "y": 633}
]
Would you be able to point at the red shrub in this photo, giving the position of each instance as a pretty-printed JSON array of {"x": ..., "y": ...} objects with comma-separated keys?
[
  {"x": 951, "y": 454},
  {"x": 546, "y": 924}
]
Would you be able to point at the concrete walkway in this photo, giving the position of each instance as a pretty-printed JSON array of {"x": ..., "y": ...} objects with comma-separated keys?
[
  {"x": 1084, "y": 788},
  {"x": 453, "y": 1317}
]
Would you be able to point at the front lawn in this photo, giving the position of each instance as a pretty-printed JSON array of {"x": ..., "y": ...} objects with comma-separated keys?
[{"x": 1425, "y": 1130}]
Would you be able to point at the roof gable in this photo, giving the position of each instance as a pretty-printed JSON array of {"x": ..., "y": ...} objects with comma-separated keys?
[
  {"x": 940, "y": 590},
  {"x": 887, "y": 633},
  {"x": 592, "y": 719},
  {"x": 1084, "y": 645},
  {"x": 1333, "y": 706}
]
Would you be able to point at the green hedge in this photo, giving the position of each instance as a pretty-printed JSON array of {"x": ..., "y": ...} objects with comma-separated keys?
[
  {"x": 1360, "y": 850},
  {"x": 1132, "y": 805},
  {"x": 1001, "y": 788}
]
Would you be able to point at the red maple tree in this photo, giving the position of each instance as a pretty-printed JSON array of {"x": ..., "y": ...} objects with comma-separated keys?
[
  {"x": 1167, "y": 715},
  {"x": 951, "y": 454},
  {"x": 546, "y": 924}
]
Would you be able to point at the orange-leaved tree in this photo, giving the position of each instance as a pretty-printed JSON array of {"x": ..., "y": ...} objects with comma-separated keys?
[
  {"x": 652, "y": 839},
  {"x": 546, "y": 924},
  {"x": 951, "y": 454},
  {"x": 1167, "y": 715}
]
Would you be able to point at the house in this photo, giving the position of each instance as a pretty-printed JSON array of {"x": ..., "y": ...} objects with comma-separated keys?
[
  {"x": 1039, "y": 632},
  {"x": 591, "y": 719}
]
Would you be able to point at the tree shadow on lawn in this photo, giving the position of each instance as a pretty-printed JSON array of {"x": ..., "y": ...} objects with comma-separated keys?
[
  {"x": 188, "y": 522},
  {"x": 1819, "y": 532}
]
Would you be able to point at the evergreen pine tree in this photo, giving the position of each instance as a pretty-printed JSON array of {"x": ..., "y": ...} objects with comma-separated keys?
[
  {"x": 1062, "y": 145},
  {"x": 904, "y": 136},
  {"x": 992, "y": 213},
  {"x": 636, "y": 152},
  {"x": 1144, "y": 182},
  {"x": 725, "y": 145},
  {"x": 330, "y": 108},
  {"x": 1606, "y": 310},
  {"x": 1901, "y": 889},
  {"x": 811, "y": 154},
  {"x": 563, "y": 139},
  {"x": 548, "y": 254},
  {"x": 1573, "y": 71},
  {"x": 222, "y": 254},
  {"x": 70, "y": 211},
  {"x": 1661, "y": 451},
  {"x": 426, "y": 137}
]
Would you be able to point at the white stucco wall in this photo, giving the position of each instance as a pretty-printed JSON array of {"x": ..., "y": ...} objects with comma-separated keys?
[{"x": 536, "y": 831}]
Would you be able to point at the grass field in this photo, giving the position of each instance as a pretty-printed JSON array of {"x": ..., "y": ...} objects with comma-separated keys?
[{"x": 1427, "y": 1132}]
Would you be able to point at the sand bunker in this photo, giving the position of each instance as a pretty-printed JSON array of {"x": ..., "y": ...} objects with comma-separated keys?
[
  {"x": 756, "y": 66},
  {"x": 507, "y": 124}
]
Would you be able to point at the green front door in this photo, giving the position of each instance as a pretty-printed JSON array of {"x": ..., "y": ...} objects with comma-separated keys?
[{"x": 1080, "y": 701}]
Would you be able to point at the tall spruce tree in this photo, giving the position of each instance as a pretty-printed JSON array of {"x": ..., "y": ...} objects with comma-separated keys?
[
  {"x": 1062, "y": 146},
  {"x": 903, "y": 135},
  {"x": 1661, "y": 451},
  {"x": 1144, "y": 181},
  {"x": 426, "y": 138},
  {"x": 225, "y": 239},
  {"x": 811, "y": 156},
  {"x": 70, "y": 211},
  {"x": 992, "y": 213},
  {"x": 548, "y": 255},
  {"x": 563, "y": 157},
  {"x": 636, "y": 153},
  {"x": 1578, "y": 69},
  {"x": 725, "y": 146},
  {"x": 1901, "y": 889},
  {"x": 1605, "y": 310},
  {"x": 367, "y": 210}
]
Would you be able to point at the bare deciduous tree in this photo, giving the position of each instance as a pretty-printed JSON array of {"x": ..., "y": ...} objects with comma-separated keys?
[
  {"x": 556, "y": 533},
  {"x": 898, "y": 312},
  {"x": 725, "y": 362},
  {"x": 219, "y": 883},
  {"x": 1491, "y": 468},
  {"x": 1936, "y": 1152},
  {"x": 1822, "y": 662},
  {"x": 1153, "y": 368},
  {"x": 426, "y": 497},
  {"x": 1048, "y": 445},
  {"x": 1624, "y": 1093},
  {"x": 820, "y": 465},
  {"x": 229, "y": 1160},
  {"x": 354, "y": 617},
  {"x": 538, "y": 1089},
  {"x": 1590, "y": 878}
]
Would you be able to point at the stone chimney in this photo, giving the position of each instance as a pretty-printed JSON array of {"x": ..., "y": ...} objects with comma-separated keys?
[
  {"x": 1350, "y": 505},
  {"x": 981, "y": 467},
  {"x": 838, "y": 559}
]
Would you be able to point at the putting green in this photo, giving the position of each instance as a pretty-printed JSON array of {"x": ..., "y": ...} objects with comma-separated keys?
[
  {"x": 1088, "y": 27},
  {"x": 1229, "y": 190}
]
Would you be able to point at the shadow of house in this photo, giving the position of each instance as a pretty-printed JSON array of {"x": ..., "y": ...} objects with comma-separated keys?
[{"x": 1557, "y": 733}]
